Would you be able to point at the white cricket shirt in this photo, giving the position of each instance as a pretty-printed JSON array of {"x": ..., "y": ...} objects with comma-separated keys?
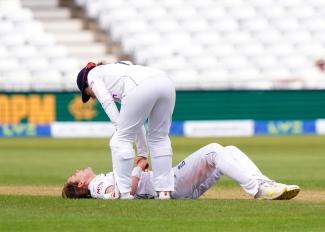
[
  {"x": 101, "y": 182},
  {"x": 112, "y": 81}
]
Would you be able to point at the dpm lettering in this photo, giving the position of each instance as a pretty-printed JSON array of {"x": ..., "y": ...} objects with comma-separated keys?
[{"x": 33, "y": 108}]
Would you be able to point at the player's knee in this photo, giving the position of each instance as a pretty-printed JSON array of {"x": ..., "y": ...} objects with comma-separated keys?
[
  {"x": 118, "y": 146},
  {"x": 231, "y": 148},
  {"x": 122, "y": 153},
  {"x": 215, "y": 146}
]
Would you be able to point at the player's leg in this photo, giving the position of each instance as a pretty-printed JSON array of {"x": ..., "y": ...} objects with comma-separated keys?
[
  {"x": 214, "y": 155},
  {"x": 198, "y": 172},
  {"x": 207, "y": 184},
  {"x": 159, "y": 144},
  {"x": 135, "y": 108},
  {"x": 242, "y": 161},
  {"x": 245, "y": 162}
]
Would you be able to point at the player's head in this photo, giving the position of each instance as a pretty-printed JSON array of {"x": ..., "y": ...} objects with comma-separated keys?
[
  {"x": 72, "y": 190},
  {"x": 76, "y": 186},
  {"x": 82, "y": 80}
]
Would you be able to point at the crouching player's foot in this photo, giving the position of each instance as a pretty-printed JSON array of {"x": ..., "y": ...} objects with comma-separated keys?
[
  {"x": 126, "y": 196},
  {"x": 292, "y": 191},
  {"x": 162, "y": 195},
  {"x": 270, "y": 190}
]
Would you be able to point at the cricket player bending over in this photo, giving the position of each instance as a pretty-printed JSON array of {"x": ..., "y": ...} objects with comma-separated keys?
[{"x": 192, "y": 177}]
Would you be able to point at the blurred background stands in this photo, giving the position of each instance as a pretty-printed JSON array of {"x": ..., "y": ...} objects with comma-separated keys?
[
  {"x": 42, "y": 48},
  {"x": 206, "y": 44}
]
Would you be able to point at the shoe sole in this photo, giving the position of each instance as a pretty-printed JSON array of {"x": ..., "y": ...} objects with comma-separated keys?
[
  {"x": 163, "y": 198},
  {"x": 289, "y": 194},
  {"x": 284, "y": 191}
]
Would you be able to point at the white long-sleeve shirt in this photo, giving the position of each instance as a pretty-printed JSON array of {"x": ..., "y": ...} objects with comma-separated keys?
[
  {"x": 101, "y": 182},
  {"x": 111, "y": 82}
]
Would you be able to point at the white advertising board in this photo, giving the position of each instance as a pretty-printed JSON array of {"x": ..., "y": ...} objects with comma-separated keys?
[
  {"x": 320, "y": 126},
  {"x": 219, "y": 128},
  {"x": 82, "y": 129}
]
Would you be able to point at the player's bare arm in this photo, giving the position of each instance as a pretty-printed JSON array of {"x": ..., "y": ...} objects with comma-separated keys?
[
  {"x": 109, "y": 189},
  {"x": 142, "y": 165}
]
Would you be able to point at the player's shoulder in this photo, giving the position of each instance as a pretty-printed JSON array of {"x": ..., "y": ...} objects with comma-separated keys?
[{"x": 102, "y": 176}]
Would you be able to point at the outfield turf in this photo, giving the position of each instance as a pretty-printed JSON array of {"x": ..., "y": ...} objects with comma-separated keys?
[{"x": 44, "y": 162}]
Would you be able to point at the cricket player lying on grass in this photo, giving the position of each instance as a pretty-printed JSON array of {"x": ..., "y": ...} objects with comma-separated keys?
[{"x": 193, "y": 176}]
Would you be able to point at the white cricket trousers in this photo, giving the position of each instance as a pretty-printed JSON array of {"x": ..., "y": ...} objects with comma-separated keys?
[
  {"x": 199, "y": 171},
  {"x": 152, "y": 99}
]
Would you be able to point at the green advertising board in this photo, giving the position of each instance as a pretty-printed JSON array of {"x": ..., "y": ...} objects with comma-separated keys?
[
  {"x": 190, "y": 105},
  {"x": 70, "y": 108},
  {"x": 257, "y": 105}
]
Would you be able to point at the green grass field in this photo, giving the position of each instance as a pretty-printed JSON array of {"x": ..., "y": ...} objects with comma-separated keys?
[{"x": 49, "y": 162}]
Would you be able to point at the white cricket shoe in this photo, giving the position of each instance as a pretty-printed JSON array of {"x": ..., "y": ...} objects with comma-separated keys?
[
  {"x": 126, "y": 196},
  {"x": 270, "y": 190},
  {"x": 162, "y": 195},
  {"x": 123, "y": 196},
  {"x": 292, "y": 191}
]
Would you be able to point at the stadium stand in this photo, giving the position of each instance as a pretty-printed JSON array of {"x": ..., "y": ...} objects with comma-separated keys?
[
  {"x": 263, "y": 44},
  {"x": 42, "y": 48},
  {"x": 206, "y": 44}
]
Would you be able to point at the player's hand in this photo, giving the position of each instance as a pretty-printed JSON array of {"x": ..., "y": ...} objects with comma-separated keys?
[
  {"x": 137, "y": 160},
  {"x": 142, "y": 163}
]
